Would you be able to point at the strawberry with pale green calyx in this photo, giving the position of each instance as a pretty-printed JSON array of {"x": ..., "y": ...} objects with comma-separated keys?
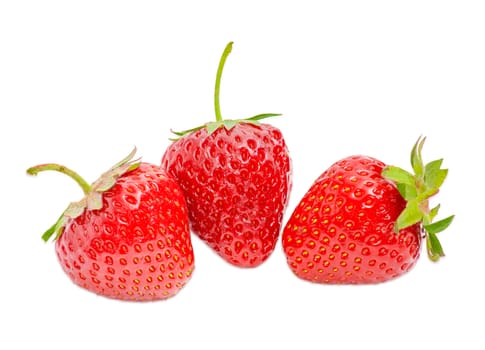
[
  {"x": 417, "y": 189},
  {"x": 220, "y": 122},
  {"x": 128, "y": 238},
  {"x": 362, "y": 221},
  {"x": 93, "y": 199},
  {"x": 236, "y": 178}
]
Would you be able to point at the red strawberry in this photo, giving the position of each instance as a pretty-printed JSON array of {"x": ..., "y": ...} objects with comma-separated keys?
[
  {"x": 128, "y": 238},
  {"x": 236, "y": 178},
  {"x": 355, "y": 225}
]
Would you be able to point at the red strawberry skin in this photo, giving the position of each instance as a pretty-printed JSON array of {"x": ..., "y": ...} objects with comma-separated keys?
[
  {"x": 342, "y": 231},
  {"x": 137, "y": 247},
  {"x": 236, "y": 183}
]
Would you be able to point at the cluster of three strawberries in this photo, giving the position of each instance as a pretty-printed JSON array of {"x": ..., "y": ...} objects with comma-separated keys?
[{"x": 229, "y": 181}]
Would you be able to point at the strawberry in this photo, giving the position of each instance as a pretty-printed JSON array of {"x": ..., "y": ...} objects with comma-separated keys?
[
  {"x": 362, "y": 221},
  {"x": 236, "y": 178},
  {"x": 128, "y": 238}
]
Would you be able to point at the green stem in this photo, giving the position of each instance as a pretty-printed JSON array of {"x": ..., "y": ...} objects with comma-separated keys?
[
  {"x": 62, "y": 169},
  {"x": 222, "y": 62}
]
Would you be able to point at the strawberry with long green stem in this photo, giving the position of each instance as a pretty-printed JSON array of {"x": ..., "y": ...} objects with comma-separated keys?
[
  {"x": 128, "y": 237},
  {"x": 236, "y": 178}
]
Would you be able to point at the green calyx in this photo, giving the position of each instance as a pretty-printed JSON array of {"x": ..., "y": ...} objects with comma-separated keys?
[
  {"x": 220, "y": 122},
  {"x": 227, "y": 123},
  {"x": 417, "y": 189},
  {"x": 93, "y": 199}
]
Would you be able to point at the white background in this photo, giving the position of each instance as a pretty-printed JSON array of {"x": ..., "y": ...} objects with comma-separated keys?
[{"x": 82, "y": 82}]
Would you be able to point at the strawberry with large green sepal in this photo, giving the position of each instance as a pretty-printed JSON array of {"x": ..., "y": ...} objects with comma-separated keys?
[
  {"x": 128, "y": 237},
  {"x": 417, "y": 189},
  {"x": 236, "y": 178},
  {"x": 363, "y": 222}
]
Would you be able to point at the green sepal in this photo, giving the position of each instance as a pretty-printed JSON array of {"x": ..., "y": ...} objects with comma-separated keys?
[
  {"x": 398, "y": 175},
  {"x": 416, "y": 159},
  {"x": 434, "y": 248},
  {"x": 403, "y": 179},
  {"x": 93, "y": 199},
  {"x": 226, "y": 123},
  {"x": 409, "y": 216},
  {"x": 434, "y": 178},
  {"x": 426, "y": 194},
  {"x": 75, "y": 209},
  {"x": 434, "y": 165},
  {"x": 181, "y": 134},
  {"x": 439, "y": 226},
  {"x": 408, "y": 192},
  {"x": 433, "y": 212},
  {"x": 53, "y": 229},
  {"x": 417, "y": 189},
  {"x": 261, "y": 116},
  {"x": 50, "y": 231}
]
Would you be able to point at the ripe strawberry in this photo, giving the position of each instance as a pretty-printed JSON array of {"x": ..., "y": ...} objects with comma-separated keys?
[
  {"x": 236, "y": 178},
  {"x": 361, "y": 221},
  {"x": 128, "y": 238}
]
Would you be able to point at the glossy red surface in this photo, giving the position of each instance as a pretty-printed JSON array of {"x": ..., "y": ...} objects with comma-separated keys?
[
  {"x": 236, "y": 183},
  {"x": 137, "y": 247},
  {"x": 342, "y": 230}
]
